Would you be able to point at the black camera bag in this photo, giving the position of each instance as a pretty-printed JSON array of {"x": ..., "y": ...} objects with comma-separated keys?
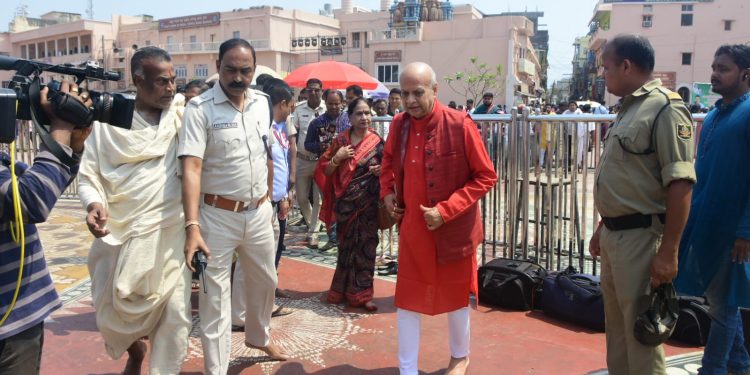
[
  {"x": 509, "y": 283},
  {"x": 694, "y": 322},
  {"x": 745, "y": 315}
]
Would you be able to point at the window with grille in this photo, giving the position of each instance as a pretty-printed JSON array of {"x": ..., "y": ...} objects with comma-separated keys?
[
  {"x": 647, "y": 20},
  {"x": 180, "y": 71},
  {"x": 201, "y": 70}
]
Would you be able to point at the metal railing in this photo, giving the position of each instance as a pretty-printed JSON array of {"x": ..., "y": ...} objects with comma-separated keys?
[{"x": 27, "y": 147}]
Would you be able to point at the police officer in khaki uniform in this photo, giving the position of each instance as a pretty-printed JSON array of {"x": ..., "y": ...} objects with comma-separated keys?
[
  {"x": 302, "y": 115},
  {"x": 643, "y": 188},
  {"x": 226, "y": 188}
]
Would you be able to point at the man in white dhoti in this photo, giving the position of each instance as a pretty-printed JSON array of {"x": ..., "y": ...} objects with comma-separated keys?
[{"x": 130, "y": 187}]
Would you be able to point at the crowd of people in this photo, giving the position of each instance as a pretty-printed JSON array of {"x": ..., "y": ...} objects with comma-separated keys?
[{"x": 218, "y": 169}]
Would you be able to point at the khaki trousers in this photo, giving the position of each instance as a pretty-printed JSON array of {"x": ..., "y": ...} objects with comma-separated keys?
[
  {"x": 305, "y": 182},
  {"x": 250, "y": 233},
  {"x": 238, "y": 296},
  {"x": 626, "y": 260}
]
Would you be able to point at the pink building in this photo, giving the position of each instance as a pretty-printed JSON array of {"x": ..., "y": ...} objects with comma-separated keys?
[
  {"x": 380, "y": 42},
  {"x": 684, "y": 34},
  {"x": 64, "y": 38}
]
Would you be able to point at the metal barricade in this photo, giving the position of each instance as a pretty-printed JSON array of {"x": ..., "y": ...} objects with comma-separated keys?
[{"x": 27, "y": 148}]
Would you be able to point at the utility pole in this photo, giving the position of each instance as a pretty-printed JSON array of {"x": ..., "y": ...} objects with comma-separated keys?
[
  {"x": 90, "y": 9},
  {"x": 104, "y": 61}
]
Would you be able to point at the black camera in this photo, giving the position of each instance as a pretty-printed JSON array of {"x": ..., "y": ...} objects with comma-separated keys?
[{"x": 22, "y": 97}]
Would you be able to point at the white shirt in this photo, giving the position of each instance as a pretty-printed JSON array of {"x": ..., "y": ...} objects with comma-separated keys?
[
  {"x": 302, "y": 116},
  {"x": 230, "y": 142}
]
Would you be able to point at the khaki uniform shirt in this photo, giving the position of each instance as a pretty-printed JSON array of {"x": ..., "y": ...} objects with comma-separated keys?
[
  {"x": 627, "y": 183},
  {"x": 303, "y": 115},
  {"x": 230, "y": 142}
]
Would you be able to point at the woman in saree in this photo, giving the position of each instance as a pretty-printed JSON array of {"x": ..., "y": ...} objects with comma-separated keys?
[{"x": 352, "y": 164}]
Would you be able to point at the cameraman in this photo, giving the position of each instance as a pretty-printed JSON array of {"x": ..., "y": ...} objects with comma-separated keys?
[{"x": 22, "y": 334}]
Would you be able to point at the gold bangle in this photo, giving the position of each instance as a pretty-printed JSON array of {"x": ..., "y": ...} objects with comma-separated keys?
[
  {"x": 190, "y": 223},
  {"x": 333, "y": 161}
]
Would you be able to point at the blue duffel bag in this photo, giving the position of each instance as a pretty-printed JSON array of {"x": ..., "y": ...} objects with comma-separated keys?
[{"x": 574, "y": 297}]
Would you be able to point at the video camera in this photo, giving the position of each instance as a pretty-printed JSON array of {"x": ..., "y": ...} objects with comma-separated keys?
[{"x": 22, "y": 97}]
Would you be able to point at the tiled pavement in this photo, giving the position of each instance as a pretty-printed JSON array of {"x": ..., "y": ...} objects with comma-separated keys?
[{"x": 323, "y": 339}]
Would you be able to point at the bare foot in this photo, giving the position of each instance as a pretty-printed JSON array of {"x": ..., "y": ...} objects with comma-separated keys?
[
  {"x": 271, "y": 350},
  {"x": 370, "y": 306},
  {"x": 136, "y": 353},
  {"x": 457, "y": 366}
]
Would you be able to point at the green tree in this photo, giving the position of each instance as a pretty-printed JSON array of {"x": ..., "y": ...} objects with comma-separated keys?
[{"x": 478, "y": 79}]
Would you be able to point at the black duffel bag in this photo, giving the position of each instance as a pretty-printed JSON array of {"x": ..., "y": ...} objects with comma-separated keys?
[
  {"x": 745, "y": 314},
  {"x": 574, "y": 297},
  {"x": 509, "y": 283},
  {"x": 694, "y": 322}
]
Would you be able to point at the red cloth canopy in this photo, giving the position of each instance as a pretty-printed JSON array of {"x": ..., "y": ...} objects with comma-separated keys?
[{"x": 333, "y": 74}]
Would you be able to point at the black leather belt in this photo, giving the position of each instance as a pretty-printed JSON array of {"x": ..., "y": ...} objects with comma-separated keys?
[{"x": 630, "y": 221}]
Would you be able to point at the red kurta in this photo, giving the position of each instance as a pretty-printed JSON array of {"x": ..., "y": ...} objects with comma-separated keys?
[{"x": 423, "y": 285}]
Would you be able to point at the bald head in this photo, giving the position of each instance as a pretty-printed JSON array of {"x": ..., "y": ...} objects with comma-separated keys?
[
  {"x": 418, "y": 89},
  {"x": 419, "y": 71}
]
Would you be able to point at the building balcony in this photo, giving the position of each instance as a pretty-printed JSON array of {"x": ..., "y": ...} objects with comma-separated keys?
[
  {"x": 207, "y": 47},
  {"x": 75, "y": 58},
  {"x": 397, "y": 34},
  {"x": 525, "y": 66}
]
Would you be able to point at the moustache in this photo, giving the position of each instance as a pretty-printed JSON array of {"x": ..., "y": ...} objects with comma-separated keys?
[{"x": 237, "y": 85}]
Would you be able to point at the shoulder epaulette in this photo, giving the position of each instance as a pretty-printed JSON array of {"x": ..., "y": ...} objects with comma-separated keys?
[
  {"x": 202, "y": 98},
  {"x": 671, "y": 95},
  {"x": 674, "y": 96}
]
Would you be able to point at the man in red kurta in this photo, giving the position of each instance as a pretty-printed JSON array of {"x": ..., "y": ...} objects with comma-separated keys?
[{"x": 435, "y": 170}]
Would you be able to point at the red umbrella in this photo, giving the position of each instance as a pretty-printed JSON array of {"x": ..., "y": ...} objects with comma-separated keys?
[{"x": 333, "y": 74}]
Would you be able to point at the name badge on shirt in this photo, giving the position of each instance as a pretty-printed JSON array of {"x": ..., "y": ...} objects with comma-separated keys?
[{"x": 224, "y": 125}]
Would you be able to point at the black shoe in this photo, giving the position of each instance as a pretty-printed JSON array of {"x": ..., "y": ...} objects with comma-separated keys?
[
  {"x": 387, "y": 265},
  {"x": 299, "y": 222},
  {"x": 328, "y": 246},
  {"x": 390, "y": 270},
  {"x": 281, "y": 294},
  {"x": 236, "y": 328}
]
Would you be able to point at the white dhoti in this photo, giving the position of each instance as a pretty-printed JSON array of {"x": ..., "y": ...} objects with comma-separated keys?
[
  {"x": 140, "y": 284},
  {"x": 130, "y": 300}
]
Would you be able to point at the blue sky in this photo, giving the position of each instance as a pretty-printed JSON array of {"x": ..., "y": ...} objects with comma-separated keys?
[{"x": 564, "y": 19}]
